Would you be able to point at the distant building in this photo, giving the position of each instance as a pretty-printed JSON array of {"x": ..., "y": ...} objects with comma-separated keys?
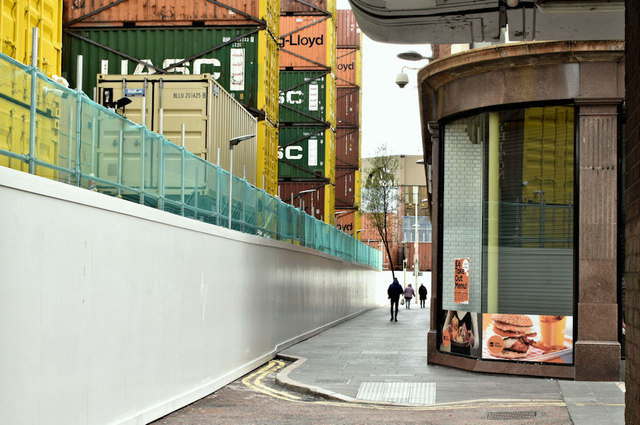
[{"x": 412, "y": 190}]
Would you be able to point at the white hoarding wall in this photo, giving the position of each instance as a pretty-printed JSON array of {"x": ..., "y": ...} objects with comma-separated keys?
[{"x": 112, "y": 312}]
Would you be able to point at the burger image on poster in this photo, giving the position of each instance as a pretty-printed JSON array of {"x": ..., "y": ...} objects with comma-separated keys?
[{"x": 516, "y": 334}]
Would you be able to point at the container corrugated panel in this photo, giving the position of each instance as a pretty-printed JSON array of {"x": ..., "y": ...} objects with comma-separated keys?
[
  {"x": 348, "y": 31},
  {"x": 306, "y": 42},
  {"x": 18, "y": 17},
  {"x": 107, "y": 13},
  {"x": 345, "y": 187},
  {"x": 424, "y": 256},
  {"x": 302, "y": 153},
  {"x": 236, "y": 66},
  {"x": 347, "y": 147},
  {"x": 290, "y": 194},
  {"x": 348, "y": 103},
  {"x": 268, "y": 156},
  {"x": 211, "y": 116},
  {"x": 306, "y": 7},
  {"x": 306, "y": 101},
  {"x": 349, "y": 69}
]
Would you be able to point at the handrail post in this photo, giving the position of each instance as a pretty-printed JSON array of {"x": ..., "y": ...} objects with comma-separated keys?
[
  {"x": 161, "y": 177},
  {"x": 142, "y": 164},
  {"x": 78, "y": 168},
  {"x": 34, "y": 100},
  {"x": 120, "y": 153}
]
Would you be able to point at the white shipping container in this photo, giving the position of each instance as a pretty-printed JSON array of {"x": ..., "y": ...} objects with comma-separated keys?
[{"x": 210, "y": 115}]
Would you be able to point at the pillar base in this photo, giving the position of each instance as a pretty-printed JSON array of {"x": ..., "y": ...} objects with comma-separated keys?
[{"x": 597, "y": 361}]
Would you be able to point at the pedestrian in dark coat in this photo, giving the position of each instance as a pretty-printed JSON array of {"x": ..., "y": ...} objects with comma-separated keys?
[
  {"x": 394, "y": 292},
  {"x": 422, "y": 292}
]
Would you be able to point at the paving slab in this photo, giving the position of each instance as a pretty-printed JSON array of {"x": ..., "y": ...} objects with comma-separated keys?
[{"x": 387, "y": 361}]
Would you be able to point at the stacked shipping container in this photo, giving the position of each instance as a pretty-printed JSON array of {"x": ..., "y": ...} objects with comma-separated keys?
[
  {"x": 19, "y": 17},
  {"x": 236, "y": 41},
  {"x": 306, "y": 168},
  {"x": 348, "y": 81}
]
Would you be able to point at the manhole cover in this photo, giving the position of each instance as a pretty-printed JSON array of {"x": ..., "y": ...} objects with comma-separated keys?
[{"x": 505, "y": 416}]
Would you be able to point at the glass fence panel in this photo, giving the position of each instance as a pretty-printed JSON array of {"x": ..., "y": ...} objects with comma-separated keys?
[
  {"x": 224, "y": 198},
  {"x": 58, "y": 133},
  {"x": 172, "y": 178}
]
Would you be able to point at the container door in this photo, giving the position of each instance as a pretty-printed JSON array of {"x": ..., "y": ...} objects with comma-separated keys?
[{"x": 183, "y": 102}]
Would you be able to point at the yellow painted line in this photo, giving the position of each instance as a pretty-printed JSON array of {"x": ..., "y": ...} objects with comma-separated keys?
[{"x": 255, "y": 382}]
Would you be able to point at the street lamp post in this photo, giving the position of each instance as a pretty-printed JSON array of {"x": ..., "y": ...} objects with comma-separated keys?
[
  {"x": 232, "y": 143},
  {"x": 357, "y": 243},
  {"x": 304, "y": 192},
  {"x": 336, "y": 214},
  {"x": 415, "y": 246}
]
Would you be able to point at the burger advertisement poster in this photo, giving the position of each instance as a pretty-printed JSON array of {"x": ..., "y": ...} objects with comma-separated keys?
[{"x": 532, "y": 338}]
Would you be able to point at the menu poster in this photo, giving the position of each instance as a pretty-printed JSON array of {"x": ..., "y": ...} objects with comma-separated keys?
[{"x": 461, "y": 281}]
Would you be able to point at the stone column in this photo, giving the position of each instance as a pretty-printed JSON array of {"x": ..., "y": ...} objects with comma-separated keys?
[
  {"x": 632, "y": 225},
  {"x": 432, "y": 340},
  {"x": 597, "y": 351}
]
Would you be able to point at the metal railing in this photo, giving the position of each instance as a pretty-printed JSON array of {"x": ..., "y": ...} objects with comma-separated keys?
[{"x": 49, "y": 130}]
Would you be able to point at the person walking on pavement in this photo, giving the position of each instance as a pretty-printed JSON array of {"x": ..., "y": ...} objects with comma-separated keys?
[
  {"x": 408, "y": 294},
  {"x": 422, "y": 292},
  {"x": 394, "y": 292}
]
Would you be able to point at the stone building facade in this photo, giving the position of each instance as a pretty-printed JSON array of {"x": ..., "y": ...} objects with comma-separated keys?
[{"x": 543, "y": 121}]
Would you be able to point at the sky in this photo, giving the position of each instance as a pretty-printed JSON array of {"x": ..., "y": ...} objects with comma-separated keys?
[{"x": 390, "y": 115}]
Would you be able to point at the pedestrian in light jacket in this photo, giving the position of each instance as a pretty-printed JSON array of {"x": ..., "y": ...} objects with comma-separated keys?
[
  {"x": 408, "y": 295},
  {"x": 394, "y": 292}
]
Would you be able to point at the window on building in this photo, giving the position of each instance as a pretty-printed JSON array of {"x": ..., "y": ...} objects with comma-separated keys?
[{"x": 508, "y": 207}]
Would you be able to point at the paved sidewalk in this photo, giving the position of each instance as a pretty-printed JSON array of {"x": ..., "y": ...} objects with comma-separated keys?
[{"x": 371, "y": 358}]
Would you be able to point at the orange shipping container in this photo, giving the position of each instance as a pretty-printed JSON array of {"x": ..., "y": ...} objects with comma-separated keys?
[
  {"x": 348, "y": 35},
  {"x": 348, "y": 67},
  {"x": 106, "y": 13},
  {"x": 346, "y": 220},
  {"x": 306, "y": 42}
]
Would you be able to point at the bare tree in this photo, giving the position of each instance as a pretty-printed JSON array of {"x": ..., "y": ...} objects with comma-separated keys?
[{"x": 379, "y": 195}]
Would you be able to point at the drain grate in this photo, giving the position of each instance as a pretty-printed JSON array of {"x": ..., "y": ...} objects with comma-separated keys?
[{"x": 505, "y": 416}]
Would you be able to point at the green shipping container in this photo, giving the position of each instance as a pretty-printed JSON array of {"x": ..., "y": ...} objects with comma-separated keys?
[
  {"x": 301, "y": 154},
  {"x": 235, "y": 66},
  {"x": 303, "y": 97}
]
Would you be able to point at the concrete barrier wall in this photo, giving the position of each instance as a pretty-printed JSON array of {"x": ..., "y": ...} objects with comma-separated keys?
[{"x": 111, "y": 312}]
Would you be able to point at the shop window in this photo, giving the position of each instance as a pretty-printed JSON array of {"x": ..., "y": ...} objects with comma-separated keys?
[{"x": 507, "y": 232}]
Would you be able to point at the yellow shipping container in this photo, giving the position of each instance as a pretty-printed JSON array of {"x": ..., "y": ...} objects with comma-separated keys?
[
  {"x": 18, "y": 17},
  {"x": 267, "y": 156},
  {"x": 269, "y": 72},
  {"x": 15, "y": 98},
  {"x": 330, "y": 204},
  {"x": 331, "y": 100}
]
